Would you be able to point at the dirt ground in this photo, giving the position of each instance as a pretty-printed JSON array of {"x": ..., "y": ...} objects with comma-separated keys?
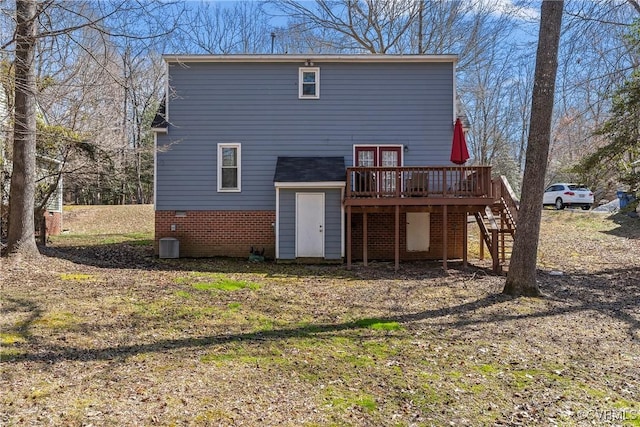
[{"x": 99, "y": 332}]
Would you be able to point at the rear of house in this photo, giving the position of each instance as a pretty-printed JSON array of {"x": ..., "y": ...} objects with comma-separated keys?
[{"x": 254, "y": 151}]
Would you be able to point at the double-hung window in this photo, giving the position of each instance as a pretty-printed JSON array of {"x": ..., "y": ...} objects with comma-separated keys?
[
  {"x": 229, "y": 167},
  {"x": 309, "y": 83}
]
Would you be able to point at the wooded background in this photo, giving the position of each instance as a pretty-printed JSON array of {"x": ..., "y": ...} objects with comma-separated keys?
[{"x": 100, "y": 79}]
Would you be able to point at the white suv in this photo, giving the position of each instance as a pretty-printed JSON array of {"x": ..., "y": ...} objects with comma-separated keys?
[{"x": 561, "y": 195}]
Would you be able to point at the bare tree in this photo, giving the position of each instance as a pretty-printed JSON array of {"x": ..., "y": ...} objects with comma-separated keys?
[
  {"x": 487, "y": 90},
  {"x": 492, "y": 108},
  {"x": 212, "y": 28},
  {"x": 595, "y": 57},
  {"x": 522, "y": 92},
  {"x": 619, "y": 155},
  {"x": 521, "y": 279},
  {"x": 373, "y": 26},
  {"x": 143, "y": 84},
  {"x": 83, "y": 97},
  {"x": 299, "y": 36},
  {"x": 30, "y": 15},
  {"x": 472, "y": 29}
]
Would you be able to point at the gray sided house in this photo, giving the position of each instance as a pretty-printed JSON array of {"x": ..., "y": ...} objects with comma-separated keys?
[{"x": 311, "y": 157}]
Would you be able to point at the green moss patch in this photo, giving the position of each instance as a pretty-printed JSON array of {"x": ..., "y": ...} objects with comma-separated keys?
[
  {"x": 183, "y": 294},
  {"x": 77, "y": 277},
  {"x": 234, "y": 307},
  {"x": 246, "y": 354},
  {"x": 215, "y": 282},
  {"x": 343, "y": 400},
  {"x": 378, "y": 324},
  {"x": 57, "y": 320},
  {"x": 10, "y": 339},
  {"x": 224, "y": 285}
]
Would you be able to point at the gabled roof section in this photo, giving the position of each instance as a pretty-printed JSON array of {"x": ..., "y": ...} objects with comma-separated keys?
[
  {"x": 159, "y": 123},
  {"x": 308, "y": 58},
  {"x": 310, "y": 169}
]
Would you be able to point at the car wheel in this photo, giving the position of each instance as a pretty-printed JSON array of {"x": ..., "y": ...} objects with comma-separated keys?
[
  {"x": 586, "y": 208},
  {"x": 559, "y": 204}
]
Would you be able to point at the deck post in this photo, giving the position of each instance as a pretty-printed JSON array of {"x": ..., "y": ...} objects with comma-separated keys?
[
  {"x": 397, "y": 246},
  {"x": 503, "y": 255},
  {"x": 494, "y": 250},
  {"x": 481, "y": 256},
  {"x": 348, "y": 237},
  {"x": 444, "y": 237},
  {"x": 364, "y": 239},
  {"x": 465, "y": 236}
]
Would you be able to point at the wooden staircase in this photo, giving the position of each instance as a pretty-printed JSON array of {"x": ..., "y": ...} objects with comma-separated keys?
[{"x": 498, "y": 223}]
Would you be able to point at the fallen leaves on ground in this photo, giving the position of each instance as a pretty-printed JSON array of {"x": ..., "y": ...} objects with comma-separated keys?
[{"x": 106, "y": 334}]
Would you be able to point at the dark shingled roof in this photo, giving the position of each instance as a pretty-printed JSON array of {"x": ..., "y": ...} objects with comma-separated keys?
[
  {"x": 310, "y": 169},
  {"x": 159, "y": 121}
]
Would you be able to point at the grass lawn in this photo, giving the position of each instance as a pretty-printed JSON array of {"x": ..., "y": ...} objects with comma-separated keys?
[{"x": 99, "y": 332}]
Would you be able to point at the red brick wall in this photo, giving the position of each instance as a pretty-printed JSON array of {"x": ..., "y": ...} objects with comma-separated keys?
[
  {"x": 54, "y": 223},
  {"x": 381, "y": 236},
  {"x": 218, "y": 233}
]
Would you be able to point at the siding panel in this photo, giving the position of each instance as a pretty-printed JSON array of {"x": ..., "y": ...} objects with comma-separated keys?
[
  {"x": 287, "y": 237},
  {"x": 333, "y": 228},
  {"x": 257, "y": 105}
]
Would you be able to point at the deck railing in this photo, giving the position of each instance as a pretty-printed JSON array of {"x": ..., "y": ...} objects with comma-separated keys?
[
  {"x": 503, "y": 193},
  {"x": 419, "y": 181}
]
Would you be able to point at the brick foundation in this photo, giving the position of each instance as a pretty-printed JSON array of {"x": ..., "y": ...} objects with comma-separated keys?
[
  {"x": 381, "y": 237},
  {"x": 218, "y": 233},
  {"x": 233, "y": 233}
]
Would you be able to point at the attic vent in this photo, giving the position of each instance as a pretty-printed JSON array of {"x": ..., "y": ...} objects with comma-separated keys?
[{"x": 169, "y": 247}]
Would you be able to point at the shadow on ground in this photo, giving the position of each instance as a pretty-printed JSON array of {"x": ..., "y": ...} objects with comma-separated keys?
[
  {"x": 134, "y": 255},
  {"x": 611, "y": 293},
  {"x": 627, "y": 227}
]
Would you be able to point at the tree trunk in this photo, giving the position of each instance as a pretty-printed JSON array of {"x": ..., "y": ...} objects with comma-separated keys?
[
  {"x": 521, "y": 279},
  {"x": 21, "y": 238}
]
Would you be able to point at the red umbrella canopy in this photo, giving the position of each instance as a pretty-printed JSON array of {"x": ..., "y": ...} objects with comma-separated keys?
[{"x": 459, "y": 151}]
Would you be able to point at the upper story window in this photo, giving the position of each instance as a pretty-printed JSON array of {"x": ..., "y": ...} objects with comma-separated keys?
[
  {"x": 309, "y": 84},
  {"x": 229, "y": 167}
]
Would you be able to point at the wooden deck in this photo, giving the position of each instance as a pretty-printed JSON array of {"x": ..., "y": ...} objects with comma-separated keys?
[{"x": 467, "y": 189}]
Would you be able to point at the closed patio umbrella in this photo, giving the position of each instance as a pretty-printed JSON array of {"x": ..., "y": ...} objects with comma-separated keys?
[{"x": 459, "y": 151}]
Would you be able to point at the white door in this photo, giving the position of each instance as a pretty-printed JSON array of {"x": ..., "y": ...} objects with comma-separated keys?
[
  {"x": 418, "y": 231},
  {"x": 310, "y": 225}
]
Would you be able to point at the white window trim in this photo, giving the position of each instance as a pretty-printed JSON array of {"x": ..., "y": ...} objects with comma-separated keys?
[
  {"x": 315, "y": 70},
  {"x": 237, "y": 146}
]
